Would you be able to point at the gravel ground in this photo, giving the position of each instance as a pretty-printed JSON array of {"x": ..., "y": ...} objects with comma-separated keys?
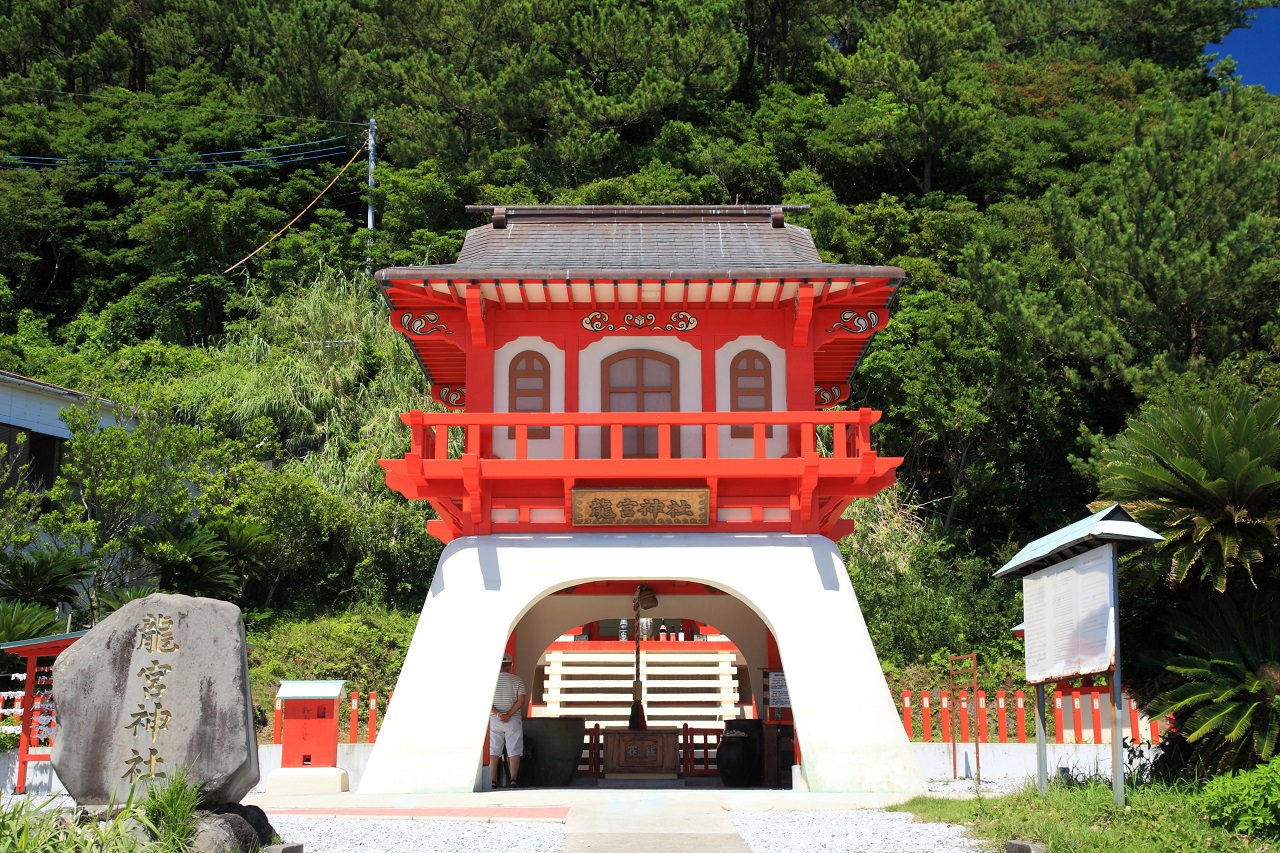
[
  {"x": 857, "y": 831},
  {"x": 339, "y": 835}
]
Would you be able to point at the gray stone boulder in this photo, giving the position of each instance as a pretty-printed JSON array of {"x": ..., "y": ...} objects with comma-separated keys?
[
  {"x": 223, "y": 833},
  {"x": 162, "y": 683}
]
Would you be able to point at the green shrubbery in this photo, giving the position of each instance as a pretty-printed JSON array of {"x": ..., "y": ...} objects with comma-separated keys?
[
  {"x": 1082, "y": 817},
  {"x": 1247, "y": 802},
  {"x": 364, "y": 646}
]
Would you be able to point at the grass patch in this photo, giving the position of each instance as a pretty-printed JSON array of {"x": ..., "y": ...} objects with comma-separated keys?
[
  {"x": 29, "y": 827},
  {"x": 170, "y": 808},
  {"x": 1081, "y": 818}
]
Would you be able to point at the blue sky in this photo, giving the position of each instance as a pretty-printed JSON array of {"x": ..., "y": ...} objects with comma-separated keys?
[{"x": 1256, "y": 51}]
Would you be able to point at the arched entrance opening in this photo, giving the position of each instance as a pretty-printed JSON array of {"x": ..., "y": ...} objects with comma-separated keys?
[
  {"x": 696, "y": 682},
  {"x": 795, "y": 586}
]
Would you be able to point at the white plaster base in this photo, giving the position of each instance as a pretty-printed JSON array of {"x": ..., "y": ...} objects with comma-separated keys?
[
  {"x": 433, "y": 736},
  {"x": 285, "y": 781}
]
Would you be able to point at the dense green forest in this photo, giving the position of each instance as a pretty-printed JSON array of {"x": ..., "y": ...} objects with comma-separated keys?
[{"x": 1087, "y": 214}]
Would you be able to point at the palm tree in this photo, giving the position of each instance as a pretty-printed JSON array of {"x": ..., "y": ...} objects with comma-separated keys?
[
  {"x": 187, "y": 559},
  {"x": 20, "y": 621},
  {"x": 1227, "y": 707},
  {"x": 1206, "y": 476},
  {"x": 47, "y": 577}
]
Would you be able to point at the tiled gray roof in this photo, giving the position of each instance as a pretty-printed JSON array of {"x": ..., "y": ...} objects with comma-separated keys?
[{"x": 629, "y": 238}]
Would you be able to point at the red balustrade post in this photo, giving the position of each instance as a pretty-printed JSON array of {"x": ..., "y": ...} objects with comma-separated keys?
[
  {"x": 964, "y": 717},
  {"x": 1096, "y": 696},
  {"x": 275, "y": 732},
  {"x": 1057, "y": 712},
  {"x": 906, "y": 712},
  {"x": 1077, "y": 721},
  {"x": 1001, "y": 718},
  {"x": 1020, "y": 704},
  {"x": 1135, "y": 726},
  {"x": 373, "y": 717},
  {"x": 354, "y": 728},
  {"x": 945, "y": 718},
  {"x": 926, "y": 715},
  {"x": 1155, "y": 732},
  {"x": 982, "y": 717}
]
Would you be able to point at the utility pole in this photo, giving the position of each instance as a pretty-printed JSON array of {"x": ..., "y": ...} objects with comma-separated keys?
[{"x": 373, "y": 155}]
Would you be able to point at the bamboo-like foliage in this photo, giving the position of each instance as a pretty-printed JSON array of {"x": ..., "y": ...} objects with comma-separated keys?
[
  {"x": 1228, "y": 706},
  {"x": 1206, "y": 476}
]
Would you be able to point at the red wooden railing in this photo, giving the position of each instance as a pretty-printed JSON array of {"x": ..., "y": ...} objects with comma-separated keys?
[{"x": 1086, "y": 699}]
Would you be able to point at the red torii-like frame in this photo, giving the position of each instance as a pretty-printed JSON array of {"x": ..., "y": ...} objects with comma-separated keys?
[{"x": 33, "y": 650}]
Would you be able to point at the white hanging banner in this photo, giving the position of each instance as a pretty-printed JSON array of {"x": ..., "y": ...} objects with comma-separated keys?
[{"x": 1070, "y": 617}]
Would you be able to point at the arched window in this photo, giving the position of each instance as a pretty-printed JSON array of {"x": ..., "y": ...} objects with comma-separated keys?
[
  {"x": 750, "y": 389},
  {"x": 640, "y": 380},
  {"x": 530, "y": 389}
]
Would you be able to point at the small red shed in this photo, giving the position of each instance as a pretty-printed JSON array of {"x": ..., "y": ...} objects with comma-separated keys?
[{"x": 309, "y": 731}]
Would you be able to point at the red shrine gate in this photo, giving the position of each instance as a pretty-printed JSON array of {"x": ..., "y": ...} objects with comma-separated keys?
[{"x": 640, "y": 393}]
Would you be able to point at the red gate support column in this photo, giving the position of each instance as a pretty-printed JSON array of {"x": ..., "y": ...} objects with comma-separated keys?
[
  {"x": 33, "y": 650},
  {"x": 906, "y": 712},
  {"x": 24, "y": 734}
]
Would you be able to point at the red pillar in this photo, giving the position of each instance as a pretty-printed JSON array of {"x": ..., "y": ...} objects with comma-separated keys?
[
  {"x": 1020, "y": 700},
  {"x": 982, "y": 717},
  {"x": 373, "y": 717},
  {"x": 28, "y": 710},
  {"x": 354, "y": 727},
  {"x": 926, "y": 715},
  {"x": 1057, "y": 712},
  {"x": 906, "y": 712},
  {"x": 1001, "y": 718}
]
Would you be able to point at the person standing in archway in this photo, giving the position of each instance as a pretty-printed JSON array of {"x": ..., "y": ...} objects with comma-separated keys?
[{"x": 505, "y": 725}]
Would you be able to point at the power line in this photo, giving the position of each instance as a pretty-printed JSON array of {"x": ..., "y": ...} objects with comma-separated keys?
[
  {"x": 209, "y": 279},
  {"x": 172, "y": 157},
  {"x": 26, "y": 164},
  {"x": 157, "y": 103}
]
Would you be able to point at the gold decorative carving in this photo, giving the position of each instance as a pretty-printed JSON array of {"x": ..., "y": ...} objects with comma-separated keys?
[{"x": 648, "y": 507}]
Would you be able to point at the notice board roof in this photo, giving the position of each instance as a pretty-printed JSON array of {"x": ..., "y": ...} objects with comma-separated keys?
[
  {"x": 1112, "y": 524},
  {"x": 310, "y": 690}
]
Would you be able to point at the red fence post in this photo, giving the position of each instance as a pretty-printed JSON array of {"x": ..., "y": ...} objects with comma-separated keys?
[
  {"x": 1001, "y": 718},
  {"x": 906, "y": 712},
  {"x": 1097, "y": 714},
  {"x": 354, "y": 728},
  {"x": 1020, "y": 701},
  {"x": 982, "y": 717},
  {"x": 1057, "y": 712},
  {"x": 373, "y": 717},
  {"x": 945, "y": 719},
  {"x": 275, "y": 733},
  {"x": 1077, "y": 721},
  {"x": 1135, "y": 727},
  {"x": 964, "y": 717},
  {"x": 1155, "y": 732},
  {"x": 926, "y": 715}
]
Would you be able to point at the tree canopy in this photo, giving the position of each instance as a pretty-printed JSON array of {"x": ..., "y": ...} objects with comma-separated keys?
[{"x": 1086, "y": 213}]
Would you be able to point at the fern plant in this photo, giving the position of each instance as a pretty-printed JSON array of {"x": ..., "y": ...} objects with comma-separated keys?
[{"x": 1228, "y": 705}]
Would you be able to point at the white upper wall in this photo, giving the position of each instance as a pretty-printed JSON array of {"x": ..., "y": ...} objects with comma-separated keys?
[
  {"x": 591, "y": 358},
  {"x": 33, "y": 405},
  {"x": 504, "y": 447}
]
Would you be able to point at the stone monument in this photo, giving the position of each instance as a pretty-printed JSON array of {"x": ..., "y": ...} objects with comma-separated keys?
[{"x": 161, "y": 683}]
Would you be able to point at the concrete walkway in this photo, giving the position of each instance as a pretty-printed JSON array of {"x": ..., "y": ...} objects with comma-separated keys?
[{"x": 597, "y": 819}]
